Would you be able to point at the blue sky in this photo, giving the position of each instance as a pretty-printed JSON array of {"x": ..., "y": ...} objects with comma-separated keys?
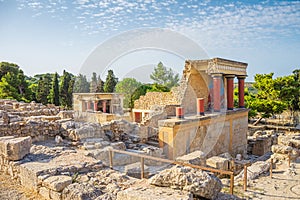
[{"x": 48, "y": 36}]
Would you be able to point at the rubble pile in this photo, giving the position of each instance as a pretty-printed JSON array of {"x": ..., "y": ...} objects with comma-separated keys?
[
  {"x": 261, "y": 142},
  {"x": 287, "y": 145}
]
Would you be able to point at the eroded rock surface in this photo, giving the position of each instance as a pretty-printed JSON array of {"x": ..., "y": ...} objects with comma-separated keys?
[{"x": 197, "y": 182}]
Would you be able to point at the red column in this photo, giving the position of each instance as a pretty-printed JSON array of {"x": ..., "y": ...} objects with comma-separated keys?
[
  {"x": 217, "y": 91},
  {"x": 200, "y": 106},
  {"x": 95, "y": 105},
  {"x": 230, "y": 102},
  {"x": 241, "y": 83},
  {"x": 104, "y": 106},
  {"x": 179, "y": 112},
  {"x": 88, "y": 105}
]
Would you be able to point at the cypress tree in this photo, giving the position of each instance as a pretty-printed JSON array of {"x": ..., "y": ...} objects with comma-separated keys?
[
  {"x": 111, "y": 82},
  {"x": 54, "y": 92}
]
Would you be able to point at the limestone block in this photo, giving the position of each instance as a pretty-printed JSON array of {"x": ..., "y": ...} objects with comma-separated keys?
[
  {"x": 118, "y": 145},
  {"x": 55, "y": 195},
  {"x": 195, "y": 181},
  {"x": 281, "y": 149},
  {"x": 15, "y": 148},
  {"x": 262, "y": 145},
  {"x": 29, "y": 173},
  {"x": 57, "y": 183},
  {"x": 44, "y": 192},
  {"x": 77, "y": 191},
  {"x": 134, "y": 170},
  {"x": 153, "y": 193},
  {"x": 218, "y": 162},
  {"x": 255, "y": 170},
  {"x": 195, "y": 158}
]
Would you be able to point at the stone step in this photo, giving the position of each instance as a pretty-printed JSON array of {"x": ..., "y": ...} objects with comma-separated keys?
[{"x": 152, "y": 143}]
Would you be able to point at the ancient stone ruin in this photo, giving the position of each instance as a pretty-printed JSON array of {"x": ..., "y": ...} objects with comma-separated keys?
[{"x": 63, "y": 154}]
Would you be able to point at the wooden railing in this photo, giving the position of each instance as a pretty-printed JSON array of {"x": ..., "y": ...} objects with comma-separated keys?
[{"x": 142, "y": 156}]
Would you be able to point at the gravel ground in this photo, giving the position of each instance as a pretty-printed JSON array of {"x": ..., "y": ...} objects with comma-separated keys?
[
  {"x": 11, "y": 190},
  {"x": 284, "y": 184}
]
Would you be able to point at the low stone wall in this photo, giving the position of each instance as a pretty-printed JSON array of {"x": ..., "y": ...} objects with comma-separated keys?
[
  {"x": 213, "y": 134},
  {"x": 98, "y": 117}
]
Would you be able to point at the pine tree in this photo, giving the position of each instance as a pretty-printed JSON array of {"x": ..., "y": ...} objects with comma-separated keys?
[
  {"x": 164, "y": 76},
  {"x": 111, "y": 82}
]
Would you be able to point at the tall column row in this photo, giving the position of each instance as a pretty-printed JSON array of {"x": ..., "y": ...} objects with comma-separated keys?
[{"x": 217, "y": 84}]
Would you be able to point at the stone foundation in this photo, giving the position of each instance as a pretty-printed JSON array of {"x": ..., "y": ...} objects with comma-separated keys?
[{"x": 213, "y": 134}]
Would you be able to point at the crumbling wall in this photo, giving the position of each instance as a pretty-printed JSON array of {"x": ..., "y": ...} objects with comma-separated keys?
[{"x": 154, "y": 99}]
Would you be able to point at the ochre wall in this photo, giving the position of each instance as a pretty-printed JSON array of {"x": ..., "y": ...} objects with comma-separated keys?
[{"x": 213, "y": 135}]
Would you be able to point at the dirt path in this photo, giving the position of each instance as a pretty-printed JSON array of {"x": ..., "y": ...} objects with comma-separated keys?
[
  {"x": 282, "y": 185},
  {"x": 11, "y": 190}
]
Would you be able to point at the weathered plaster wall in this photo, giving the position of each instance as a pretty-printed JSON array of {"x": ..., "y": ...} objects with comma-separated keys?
[{"x": 214, "y": 134}]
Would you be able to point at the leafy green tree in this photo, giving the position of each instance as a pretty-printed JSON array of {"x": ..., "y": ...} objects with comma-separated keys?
[
  {"x": 66, "y": 89},
  {"x": 110, "y": 82},
  {"x": 54, "y": 91},
  {"x": 16, "y": 79},
  {"x": 81, "y": 84},
  {"x": 164, "y": 76},
  {"x": 266, "y": 101},
  {"x": 7, "y": 91},
  {"x": 288, "y": 88},
  {"x": 127, "y": 86}
]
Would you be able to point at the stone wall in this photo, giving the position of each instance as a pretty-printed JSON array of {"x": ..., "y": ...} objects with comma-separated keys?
[
  {"x": 98, "y": 117},
  {"x": 154, "y": 99},
  {"x": 213, "y": 135},
  {"x": 194, "y": 84},
  {"x": 31, "y": 119}
]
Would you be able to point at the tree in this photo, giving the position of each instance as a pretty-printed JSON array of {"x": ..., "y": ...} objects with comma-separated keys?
[
  {"x": 164, "y": 76},
  {"x": 15, "y": 77},
  {"x": 267, "y": 100},
  {"x": 288, "y": 88},
  {"x": 100, "y": 85},
  {"x": 81, "y": 84},
  {"x": 93, "y": 84},
  {"x": 54, "y": 91},
  {"x": 110, "y": 82},
  {"x": 127, "y": 86},
  {"x": 43, "y": 89},
  {"x": 66, "y": 89},
  {"x": 7, "y": 91}
]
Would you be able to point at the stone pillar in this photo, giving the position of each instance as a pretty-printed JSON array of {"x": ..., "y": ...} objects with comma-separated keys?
[
  {"x": 217, "y": 91},
  {"x": 179, "y": 112},
  {"x": 88, "y": 105},
  {"x": 95, "y": 105},
  {"x": 200, "y": 106},
  {"x": 241, "y": 86},
  {"x": 230, "y": 86},
  {"x": 104, "y": 106}
]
